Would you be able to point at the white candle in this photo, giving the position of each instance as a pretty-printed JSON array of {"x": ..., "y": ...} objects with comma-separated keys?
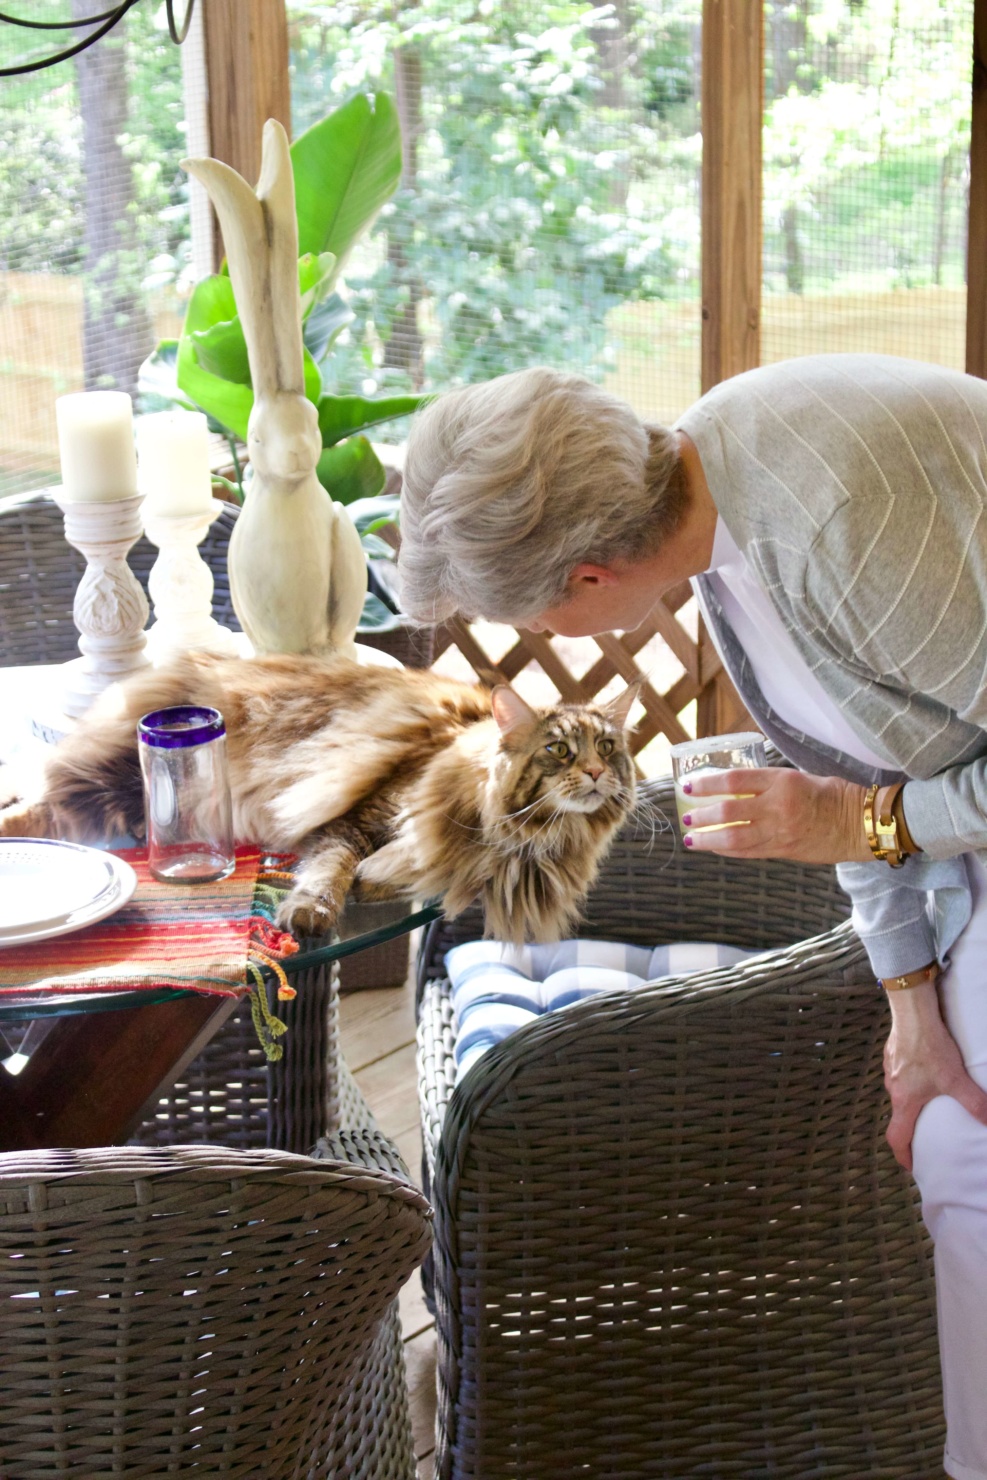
[
  {"x": 96, "y": 445},
  {"x": 173, "y": 470}
]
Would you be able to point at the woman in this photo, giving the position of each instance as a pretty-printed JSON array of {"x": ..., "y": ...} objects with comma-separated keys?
[{"x": 832, "y": 515}]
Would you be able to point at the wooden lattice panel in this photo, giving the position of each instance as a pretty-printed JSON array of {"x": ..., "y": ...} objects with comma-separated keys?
[{"x": 718, "y": 708}]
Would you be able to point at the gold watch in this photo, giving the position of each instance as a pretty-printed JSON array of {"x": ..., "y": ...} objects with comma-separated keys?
[{"x": 881, "y": 825}]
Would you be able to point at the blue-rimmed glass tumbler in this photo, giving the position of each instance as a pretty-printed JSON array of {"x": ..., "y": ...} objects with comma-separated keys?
[{"x": 186, "y": 794}]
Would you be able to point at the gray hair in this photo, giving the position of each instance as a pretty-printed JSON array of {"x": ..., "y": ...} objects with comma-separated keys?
[{"x": 509, "y": 485}]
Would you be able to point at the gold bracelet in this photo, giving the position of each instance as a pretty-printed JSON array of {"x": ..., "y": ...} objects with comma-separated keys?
[
  {"x": 881, "y": 825},
  {"x": 911, "y": 979}
]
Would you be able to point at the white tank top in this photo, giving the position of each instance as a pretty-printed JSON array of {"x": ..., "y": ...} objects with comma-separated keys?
[{"x": 786, "y": 680}]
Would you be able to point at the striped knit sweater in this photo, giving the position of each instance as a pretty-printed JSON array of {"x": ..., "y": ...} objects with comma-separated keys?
[{"x": 856, "y": 487}]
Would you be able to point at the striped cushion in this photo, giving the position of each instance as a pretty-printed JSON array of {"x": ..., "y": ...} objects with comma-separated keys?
[{"x": 497, "y": 988}]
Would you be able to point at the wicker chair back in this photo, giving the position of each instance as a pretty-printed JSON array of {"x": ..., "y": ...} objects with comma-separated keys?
[{"x": 190, "y": 1308}]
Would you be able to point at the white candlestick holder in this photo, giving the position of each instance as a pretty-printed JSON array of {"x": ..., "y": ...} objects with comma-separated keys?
[
  {"x": 110, "y": 609},
  {"x": 181, "y": 587}
]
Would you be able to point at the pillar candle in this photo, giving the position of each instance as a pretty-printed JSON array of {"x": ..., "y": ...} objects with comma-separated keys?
[
  {"x": 173, "y": 463},
  {"x": 96, "y": 445}
]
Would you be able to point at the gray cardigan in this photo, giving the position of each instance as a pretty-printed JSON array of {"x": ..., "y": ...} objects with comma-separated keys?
[{"x": 856, "y": 487}]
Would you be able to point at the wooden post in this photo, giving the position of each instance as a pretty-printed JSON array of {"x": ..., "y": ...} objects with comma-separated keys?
[
  {"x": 246, "y": 52},
  {"x": 976, "y": 270},
  {"x": 732, "y": 113}
]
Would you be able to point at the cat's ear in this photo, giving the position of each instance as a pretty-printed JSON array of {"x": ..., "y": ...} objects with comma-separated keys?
[
  {"x": 509, "y": 709},
  {"x": 618, "y": 709}
]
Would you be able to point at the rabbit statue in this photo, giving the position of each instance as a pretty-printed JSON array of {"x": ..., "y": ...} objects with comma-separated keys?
[{"x": 298, "y": 575}]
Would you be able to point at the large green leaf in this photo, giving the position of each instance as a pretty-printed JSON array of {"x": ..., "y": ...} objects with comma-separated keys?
[
  {"x": 157, "y": 383},
  {"x": 213, "y": 370},
  {"x": 227, "y": 402},
  {"x": 369, "y": 513},
  {"x": 222, "y": 351},
  {"x": 345, "y": 167},
  {"x": 341, "y": 416},
  {"x": 325, "y": 322},
  {"x": 315, "y": 274},
  {"x": 376, "y": 617},
  {"x": 351, "y": 470}
]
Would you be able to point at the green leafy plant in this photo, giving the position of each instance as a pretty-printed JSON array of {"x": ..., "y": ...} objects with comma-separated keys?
[{"x": 345, "y": 168}]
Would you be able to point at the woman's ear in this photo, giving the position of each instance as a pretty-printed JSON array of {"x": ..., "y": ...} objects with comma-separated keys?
[
  {"x": 509, "y": 709},
  {"x": 588, "y": 574},
  {"x": 618, "y": 709}
]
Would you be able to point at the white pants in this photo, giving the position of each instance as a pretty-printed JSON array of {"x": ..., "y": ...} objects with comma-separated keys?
[{"x": 950, "y": 1166}]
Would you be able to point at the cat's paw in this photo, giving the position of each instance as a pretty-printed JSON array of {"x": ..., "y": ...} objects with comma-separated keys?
[{"x": 305, "y": 912}]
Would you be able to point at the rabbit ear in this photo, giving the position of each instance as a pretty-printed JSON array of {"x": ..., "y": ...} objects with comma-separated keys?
[
  {"x": 276, "y": 193},
  {"x": 242, "y": 222}
]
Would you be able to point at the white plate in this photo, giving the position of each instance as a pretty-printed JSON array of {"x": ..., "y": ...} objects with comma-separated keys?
[{"x": 48, "y": 888}]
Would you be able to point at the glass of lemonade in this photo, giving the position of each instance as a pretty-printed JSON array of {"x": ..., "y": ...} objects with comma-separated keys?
[{"x": 712, "y": 755}]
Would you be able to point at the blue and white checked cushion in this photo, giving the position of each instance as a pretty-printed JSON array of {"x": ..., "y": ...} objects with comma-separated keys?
[{"x": 497, "y": 988}]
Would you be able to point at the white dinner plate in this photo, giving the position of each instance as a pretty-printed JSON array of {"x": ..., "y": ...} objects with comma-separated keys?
[{"x": 48, "y": 888}]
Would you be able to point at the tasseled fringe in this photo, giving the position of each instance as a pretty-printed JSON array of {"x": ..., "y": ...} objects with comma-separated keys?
[
  {"x": 267, "y": 1027},
  {"x": 268, "y": 946}
]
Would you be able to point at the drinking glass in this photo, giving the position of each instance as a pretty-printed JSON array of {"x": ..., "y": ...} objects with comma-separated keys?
[
  {"x": 186, "y": 794},
  {"x": 710, "y": 756}
]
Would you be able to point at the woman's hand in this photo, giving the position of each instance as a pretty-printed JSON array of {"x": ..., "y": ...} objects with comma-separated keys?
[
  {"x": 921, "y": 1061},
  {"x": 785, "y": 814}
]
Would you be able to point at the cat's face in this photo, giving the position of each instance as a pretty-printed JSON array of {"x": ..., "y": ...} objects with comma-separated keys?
[{"x": 575, "y": 758}]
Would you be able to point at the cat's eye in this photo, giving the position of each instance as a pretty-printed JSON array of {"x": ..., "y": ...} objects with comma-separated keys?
[
  {"x": 604, "y": 747},
  {"x": 559, "y": 749}
]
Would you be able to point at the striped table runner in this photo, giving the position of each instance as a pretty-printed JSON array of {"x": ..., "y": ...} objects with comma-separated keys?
[{"x": 213, "y": 938}]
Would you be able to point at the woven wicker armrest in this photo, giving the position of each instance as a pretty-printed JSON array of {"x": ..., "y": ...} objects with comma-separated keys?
[{"x": 363, "y": 1147}]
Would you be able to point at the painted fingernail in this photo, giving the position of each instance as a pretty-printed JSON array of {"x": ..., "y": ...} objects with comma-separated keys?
[
  {"x": 687, "y": 787},
  {"x": 687, "y": 840},
  {"x": 687, "y": 820}
]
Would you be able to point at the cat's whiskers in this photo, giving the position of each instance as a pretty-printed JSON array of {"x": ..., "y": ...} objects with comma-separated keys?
[
  {"x": 507, "y": 817},
  {"x": 652, "y": 816},
  {"x": 559, "y": 814}
]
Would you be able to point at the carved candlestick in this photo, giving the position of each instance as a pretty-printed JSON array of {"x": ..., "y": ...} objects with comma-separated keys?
[
  {"x": 110, "y": 609},
  {"x": 181, "y": 587}
]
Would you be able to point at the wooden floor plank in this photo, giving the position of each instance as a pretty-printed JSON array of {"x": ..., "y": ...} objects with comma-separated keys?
[
  {"x": 377, "y": 1031},
  {"x": 375, "y": 1023},
  {"x": 415, "y": 1314},
  {"x": 389, "y": 1088},
  {"x": 419, "y": 1356}
]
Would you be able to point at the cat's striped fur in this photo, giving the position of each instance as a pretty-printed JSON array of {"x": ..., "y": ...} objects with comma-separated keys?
[{"x": 395, "y": 783}]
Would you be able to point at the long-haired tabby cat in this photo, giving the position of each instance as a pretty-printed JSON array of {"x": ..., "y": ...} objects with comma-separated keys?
[{"x": 397, "y": 783}]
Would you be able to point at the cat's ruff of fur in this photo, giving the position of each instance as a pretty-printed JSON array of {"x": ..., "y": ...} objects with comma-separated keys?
[{"x": 397, "y": 783}]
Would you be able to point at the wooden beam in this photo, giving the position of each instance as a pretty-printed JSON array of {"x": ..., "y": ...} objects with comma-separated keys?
[
  {"x": 246, "y": 47},
  {"x": 976, "y": 272},
  {"x": 732, "y": 113}
]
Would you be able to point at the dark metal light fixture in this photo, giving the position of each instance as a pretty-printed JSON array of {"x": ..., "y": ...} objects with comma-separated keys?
[{"x": 104, "y": 22}]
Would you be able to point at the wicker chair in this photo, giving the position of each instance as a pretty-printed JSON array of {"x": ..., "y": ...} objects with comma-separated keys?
[
  {"x": 670, "y": 1238},
  {"x": 191, "y": 1308},
  {"x": 229, "y": 1096}
]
